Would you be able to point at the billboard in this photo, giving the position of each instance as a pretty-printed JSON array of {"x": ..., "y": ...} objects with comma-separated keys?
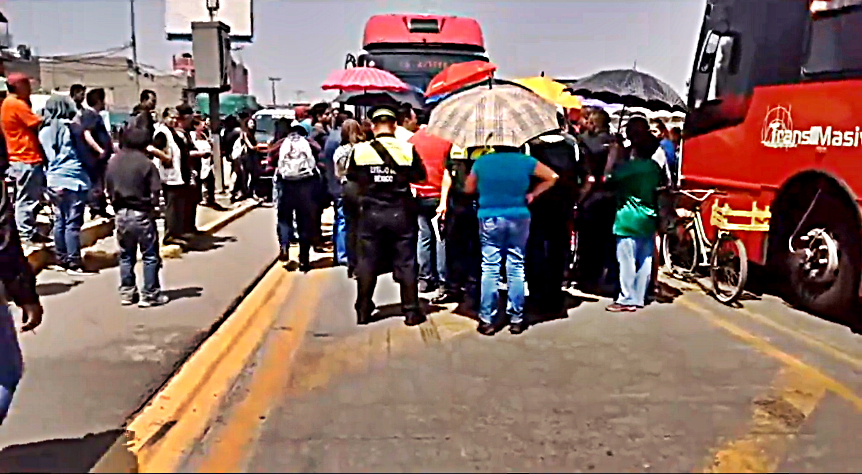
[{"x": 237, "y": 14}]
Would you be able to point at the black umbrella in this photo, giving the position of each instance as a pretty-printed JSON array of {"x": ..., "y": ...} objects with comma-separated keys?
[
  {"x": 630, "y": 88},
  {"x": 369, "y": 99}
]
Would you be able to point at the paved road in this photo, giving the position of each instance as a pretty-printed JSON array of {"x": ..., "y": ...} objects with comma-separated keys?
[
  {"x": 93, "y": 362},
  {"x": 691, "y": 385}
]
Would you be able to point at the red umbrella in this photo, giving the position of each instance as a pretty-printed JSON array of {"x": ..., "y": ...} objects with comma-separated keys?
[
  {"x": 459, "y": 75},
  {"x": 363, "y": 79}
]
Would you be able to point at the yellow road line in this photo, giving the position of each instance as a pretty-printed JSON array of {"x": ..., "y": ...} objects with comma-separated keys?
[
  {"x": 776, "y": 421},
  {"x": 269, "y": 379},
  {"x": 271, "y": 382},
  {"x": 180, "y": 412},
  {"x": 768, "y": 349},
  {"x": 806, "y": 338}
]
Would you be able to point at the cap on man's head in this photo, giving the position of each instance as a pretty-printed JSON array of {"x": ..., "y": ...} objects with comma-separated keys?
[
  {"x": 17, "y": 78},
  {"x": 382, "y": 112}
]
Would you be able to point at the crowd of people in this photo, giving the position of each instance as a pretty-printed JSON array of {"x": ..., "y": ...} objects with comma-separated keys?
[{"x": 470, "y": 210}]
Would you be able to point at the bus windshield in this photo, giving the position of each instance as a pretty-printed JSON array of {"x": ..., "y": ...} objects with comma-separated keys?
[{"x": 417, "y": 69}]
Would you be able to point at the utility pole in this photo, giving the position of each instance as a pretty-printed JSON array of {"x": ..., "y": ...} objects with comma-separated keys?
[
  {"x": 135, "y": 48},
  {"x": 273, "y": 80}
]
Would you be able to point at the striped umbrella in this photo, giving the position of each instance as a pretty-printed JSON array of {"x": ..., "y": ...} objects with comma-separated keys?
[
  {"x": 364, "y": 79},
  {"x": 504, "y": 115}
]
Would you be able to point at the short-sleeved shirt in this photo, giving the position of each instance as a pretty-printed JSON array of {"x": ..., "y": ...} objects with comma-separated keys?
[
  {"x": 94, "y": 123},
  {"x": 19, "y": 129},
  {"x": 636, "y": 181},
  {"x": 502, "y": 180}
]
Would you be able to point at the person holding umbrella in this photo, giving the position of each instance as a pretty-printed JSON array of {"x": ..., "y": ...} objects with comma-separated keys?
[{"x": 383, "y": 170}]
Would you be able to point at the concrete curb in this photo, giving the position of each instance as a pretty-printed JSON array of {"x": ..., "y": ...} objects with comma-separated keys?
[{"x": 91, "y": 232}]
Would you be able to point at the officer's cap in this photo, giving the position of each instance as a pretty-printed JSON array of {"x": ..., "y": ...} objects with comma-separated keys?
[{"x": 380, "y": 112}]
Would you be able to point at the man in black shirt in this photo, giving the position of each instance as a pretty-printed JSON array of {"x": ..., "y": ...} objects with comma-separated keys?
[
  {"x": 98, "y": 148},
  {"x": 551, "y": 220},
  {"x": 133, "y": 185}
]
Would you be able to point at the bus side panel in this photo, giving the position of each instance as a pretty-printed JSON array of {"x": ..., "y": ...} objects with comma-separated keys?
[{"x": 787, "y": 129}]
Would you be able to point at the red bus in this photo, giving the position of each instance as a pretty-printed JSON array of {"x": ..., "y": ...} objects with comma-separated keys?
[
  {"x": 417, "y": 47},
  {"x": 775, "y": 110}
]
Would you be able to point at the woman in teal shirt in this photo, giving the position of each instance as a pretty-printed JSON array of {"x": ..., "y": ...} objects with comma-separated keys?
[{"x": 502, "y": 179}]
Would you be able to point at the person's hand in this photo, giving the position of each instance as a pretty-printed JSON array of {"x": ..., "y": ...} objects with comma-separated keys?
[
  {"x": 32, "y": 316},
  {"x": 441, "y": 209},
  {"x": 530, "y": 198}
]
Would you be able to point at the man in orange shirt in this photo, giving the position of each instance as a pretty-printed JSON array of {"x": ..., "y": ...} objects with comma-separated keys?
[{"x": 20, "y": 129}]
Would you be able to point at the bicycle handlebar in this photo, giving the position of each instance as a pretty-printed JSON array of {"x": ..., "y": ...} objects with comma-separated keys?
[{"x": 706, "y": 194}]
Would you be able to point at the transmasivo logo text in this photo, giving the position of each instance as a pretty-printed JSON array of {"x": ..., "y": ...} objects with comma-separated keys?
[{"x": 778, "y": 132}]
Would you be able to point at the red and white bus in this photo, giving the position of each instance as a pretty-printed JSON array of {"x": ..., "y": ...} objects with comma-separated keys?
[
  {"x": 775, "y": 120},
  {"x": 417, "y": 47}
]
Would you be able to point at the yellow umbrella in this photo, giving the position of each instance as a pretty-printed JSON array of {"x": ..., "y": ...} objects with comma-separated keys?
[{"x": 550, "y": 90}]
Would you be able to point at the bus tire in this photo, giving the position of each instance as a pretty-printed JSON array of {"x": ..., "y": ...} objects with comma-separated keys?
[{"x": 838, "y": 297}]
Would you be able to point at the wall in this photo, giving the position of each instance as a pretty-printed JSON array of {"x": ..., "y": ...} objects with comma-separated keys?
[{"x": 114, "y": 75}]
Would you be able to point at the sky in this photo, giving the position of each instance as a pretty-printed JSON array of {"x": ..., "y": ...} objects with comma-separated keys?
[{"x": 303, "y": 41}]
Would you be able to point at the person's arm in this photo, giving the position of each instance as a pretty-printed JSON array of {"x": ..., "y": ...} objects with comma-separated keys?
[
  {"x": 160, "y": 141},
  {"x": 29, "y": 119},
  {"x": 547, "y": 179},
  {"x": 417, "y": 169},
  {"x": 470, "y": 183},
  {"x": 352, "y": 169},
  {"x": 445, "y": 186},
  {"x": 154, "y": 181},
  {"x": 19, "y": 279}
]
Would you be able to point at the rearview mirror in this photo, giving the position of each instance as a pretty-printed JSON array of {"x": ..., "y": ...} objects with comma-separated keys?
[{"x": 710, "y": 50}]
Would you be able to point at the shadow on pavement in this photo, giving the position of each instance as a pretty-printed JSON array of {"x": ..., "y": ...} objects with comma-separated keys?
[
  {"x": 180, "y": 293},
  {"x": 56, "y": 288},
  {"x": 58, "y": 455},
  {"x": 394, "y": 310},
  {"x": 204, "y": 243}
]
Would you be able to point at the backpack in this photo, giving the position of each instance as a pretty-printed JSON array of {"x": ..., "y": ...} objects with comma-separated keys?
[{"x": 294, "y": 162}]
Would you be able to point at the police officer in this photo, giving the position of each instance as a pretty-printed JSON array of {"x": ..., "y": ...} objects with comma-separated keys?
[{"x": 383, "y": 169}]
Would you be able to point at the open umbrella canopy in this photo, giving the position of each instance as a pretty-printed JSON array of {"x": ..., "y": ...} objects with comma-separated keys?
[
  {"x": 364, "y": 79},
  {"x": 551, "y": 91},
  {"x": 459, "y": 75},
  {"x": 631, "y": 88},
  {"x": 502, "y": 115}
]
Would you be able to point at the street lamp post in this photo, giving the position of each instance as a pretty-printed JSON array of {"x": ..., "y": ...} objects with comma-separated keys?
[{"x": 273, "y": 80}]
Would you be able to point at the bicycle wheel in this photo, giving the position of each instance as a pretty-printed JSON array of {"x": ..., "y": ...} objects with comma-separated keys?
[
  {"x": 728, "y": 269},
  {"x": 680, "y": 250}
]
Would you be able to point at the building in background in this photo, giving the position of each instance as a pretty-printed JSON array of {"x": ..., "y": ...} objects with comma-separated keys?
[{"x": 184, "y": 63}]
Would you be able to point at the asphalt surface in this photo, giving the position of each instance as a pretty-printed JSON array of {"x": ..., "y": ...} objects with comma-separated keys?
[
  {"x": 690, "y": 385},
  {"x": 92, "y": 363}
]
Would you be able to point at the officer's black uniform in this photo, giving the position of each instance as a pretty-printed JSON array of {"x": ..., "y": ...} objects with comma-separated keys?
[
  {"x": 551, "y": 216},
  {"x": 388, "y": 227}
]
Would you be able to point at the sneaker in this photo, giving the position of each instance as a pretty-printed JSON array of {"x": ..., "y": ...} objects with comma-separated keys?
[
  {"x": 80, "y": 271},
  {"x": 447, "y": 297},
  {"x": 283, "y": 255},
  {"x": 56, "y": 267},
  {"x": 40, "y": 239},
  {"x": 150, "y": 301},
  {"x": 621, "y": 308},
  {"x": 426, "y": 286},
  {"x": 129, "y": 299}
]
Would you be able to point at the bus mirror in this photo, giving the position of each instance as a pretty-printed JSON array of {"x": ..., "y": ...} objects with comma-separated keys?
[{"x": 710, "y": 50}]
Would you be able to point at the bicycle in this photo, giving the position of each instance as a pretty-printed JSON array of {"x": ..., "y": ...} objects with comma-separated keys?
[{"x": 689, "y": 249}]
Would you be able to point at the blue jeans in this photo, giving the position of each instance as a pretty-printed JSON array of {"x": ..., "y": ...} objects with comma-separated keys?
[
  {"x": 339, "y": 233},
  {"x": 424, "y": 251},
  {"x": 29, "y": 188},
  {"x": 136, "y": 229},
  {"x": 498, "y": 235},
  {"x": 11, "y": 361},
  {"x": 634, "y": 255},
  {"x": 68, "y": 219},
  {"x": 285, "y": 228}
]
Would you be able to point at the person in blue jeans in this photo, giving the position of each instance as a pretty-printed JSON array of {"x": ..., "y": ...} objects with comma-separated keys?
[
  {"x": 67, "y": 179},
  {"x": 502, "y": 178},
  {"x": 133, "y": 185}
]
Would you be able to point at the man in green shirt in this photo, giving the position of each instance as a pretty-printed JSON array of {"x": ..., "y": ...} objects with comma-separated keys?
[{"x": 635, "y": 180}]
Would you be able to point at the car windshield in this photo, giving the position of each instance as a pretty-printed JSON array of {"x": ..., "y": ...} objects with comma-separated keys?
[{"x": 264, "y": 128}]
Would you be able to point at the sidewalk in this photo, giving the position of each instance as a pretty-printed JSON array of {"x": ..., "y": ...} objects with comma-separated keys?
[{"x": 93, "y": 362}]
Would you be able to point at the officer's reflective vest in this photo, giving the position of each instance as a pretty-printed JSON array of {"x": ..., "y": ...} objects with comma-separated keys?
[{"x": 401, "y": 151}]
